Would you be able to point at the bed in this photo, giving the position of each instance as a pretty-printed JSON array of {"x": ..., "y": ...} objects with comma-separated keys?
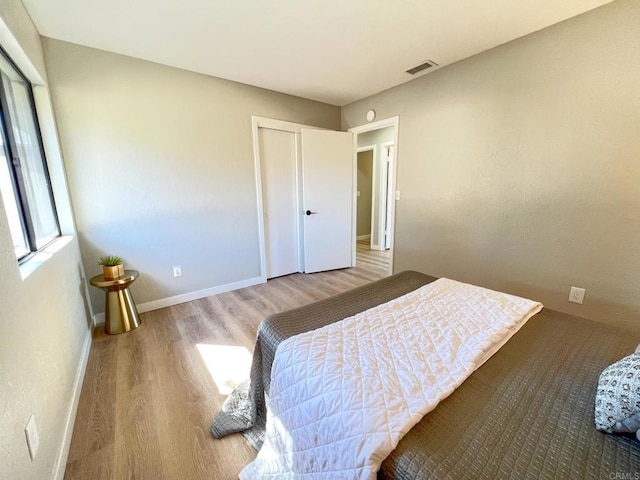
[{"x": 525, "y": 413}]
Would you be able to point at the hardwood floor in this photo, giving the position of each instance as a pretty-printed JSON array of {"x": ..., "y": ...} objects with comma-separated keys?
[
  {"x": 149, "y": 395},
  {"x": 378, "y": 261}
]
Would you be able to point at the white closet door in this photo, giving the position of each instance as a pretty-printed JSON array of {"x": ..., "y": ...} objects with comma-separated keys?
[
  {"x": 327, "y": 176},
  {"x": 280, "y": 204}
]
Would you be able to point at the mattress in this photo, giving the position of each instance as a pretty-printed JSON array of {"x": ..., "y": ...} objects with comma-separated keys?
[{"x": 526, "y": 413}]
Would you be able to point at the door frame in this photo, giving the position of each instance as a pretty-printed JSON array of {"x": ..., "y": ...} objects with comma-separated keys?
[
  {"x": 295, "y": 128},
  {"x": 388, "y": 196},
  {"x": 387, "y": 122}
]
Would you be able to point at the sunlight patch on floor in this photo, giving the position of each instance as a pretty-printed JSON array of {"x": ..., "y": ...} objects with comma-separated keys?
[{"x": 228, "y": 365}]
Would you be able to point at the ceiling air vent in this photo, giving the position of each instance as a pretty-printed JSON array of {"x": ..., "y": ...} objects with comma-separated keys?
[{"x": 422, "y": 67}]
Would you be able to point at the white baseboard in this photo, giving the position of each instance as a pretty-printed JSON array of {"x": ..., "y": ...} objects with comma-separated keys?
[
  {"x": 98, "y": 319},
  {"x": 364, "y": 237},
  {"x": 63, "y": 454}
]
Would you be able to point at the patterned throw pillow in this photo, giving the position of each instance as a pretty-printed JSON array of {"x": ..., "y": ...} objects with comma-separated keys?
[{"x": 617, "y": 406}]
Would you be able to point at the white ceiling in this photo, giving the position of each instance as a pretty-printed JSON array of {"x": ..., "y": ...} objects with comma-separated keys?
[{"x": 334, "y": 51}]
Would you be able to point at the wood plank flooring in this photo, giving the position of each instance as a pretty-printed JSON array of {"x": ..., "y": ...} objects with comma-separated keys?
[{"x": 149, "y": 397}]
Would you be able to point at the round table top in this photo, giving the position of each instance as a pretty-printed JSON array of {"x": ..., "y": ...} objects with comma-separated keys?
[{"x": 128, "y": 277}]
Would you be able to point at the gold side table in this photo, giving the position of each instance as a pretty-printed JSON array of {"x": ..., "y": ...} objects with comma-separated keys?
[{"x": 121, "y": 314}]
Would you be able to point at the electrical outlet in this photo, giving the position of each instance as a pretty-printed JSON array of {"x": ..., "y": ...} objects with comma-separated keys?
[
  {"x": 177, "y": 271},
  {"x": 33, "y": 441},
  {"x": 576, "y": 295}
]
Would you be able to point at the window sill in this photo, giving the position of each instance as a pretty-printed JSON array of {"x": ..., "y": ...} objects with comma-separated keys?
[{"x": 40, "y": 257}]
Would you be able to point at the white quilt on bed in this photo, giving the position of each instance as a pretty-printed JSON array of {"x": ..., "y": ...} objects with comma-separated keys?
[{"x": 343, "y": 396}]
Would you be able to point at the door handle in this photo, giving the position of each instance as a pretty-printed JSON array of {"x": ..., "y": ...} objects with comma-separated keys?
[{"x": 309, "y": 212}]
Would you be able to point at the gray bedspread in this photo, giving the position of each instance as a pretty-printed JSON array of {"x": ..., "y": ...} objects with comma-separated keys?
[{"x": 526, "y": 413}]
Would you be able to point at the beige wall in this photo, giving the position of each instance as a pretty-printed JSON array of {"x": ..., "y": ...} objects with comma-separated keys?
[
  {"x": 160, "y": 166},
  {"x": 365, "y": 184},
  {"x": 44, "y": 333},
  {"x": 519, "y": 168}
]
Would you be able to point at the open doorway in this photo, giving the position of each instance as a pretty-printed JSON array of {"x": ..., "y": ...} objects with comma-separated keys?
[{"x": 374, "y": 206}]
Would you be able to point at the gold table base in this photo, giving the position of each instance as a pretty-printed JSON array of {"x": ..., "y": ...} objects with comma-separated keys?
[{"x": 121, "y": 314}]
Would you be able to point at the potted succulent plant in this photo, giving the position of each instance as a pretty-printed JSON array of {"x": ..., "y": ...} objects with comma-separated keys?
[{"x": 112, "y": 267}]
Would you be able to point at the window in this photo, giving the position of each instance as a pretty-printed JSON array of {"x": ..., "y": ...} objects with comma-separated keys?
[{"x": 24, "y": 179}]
